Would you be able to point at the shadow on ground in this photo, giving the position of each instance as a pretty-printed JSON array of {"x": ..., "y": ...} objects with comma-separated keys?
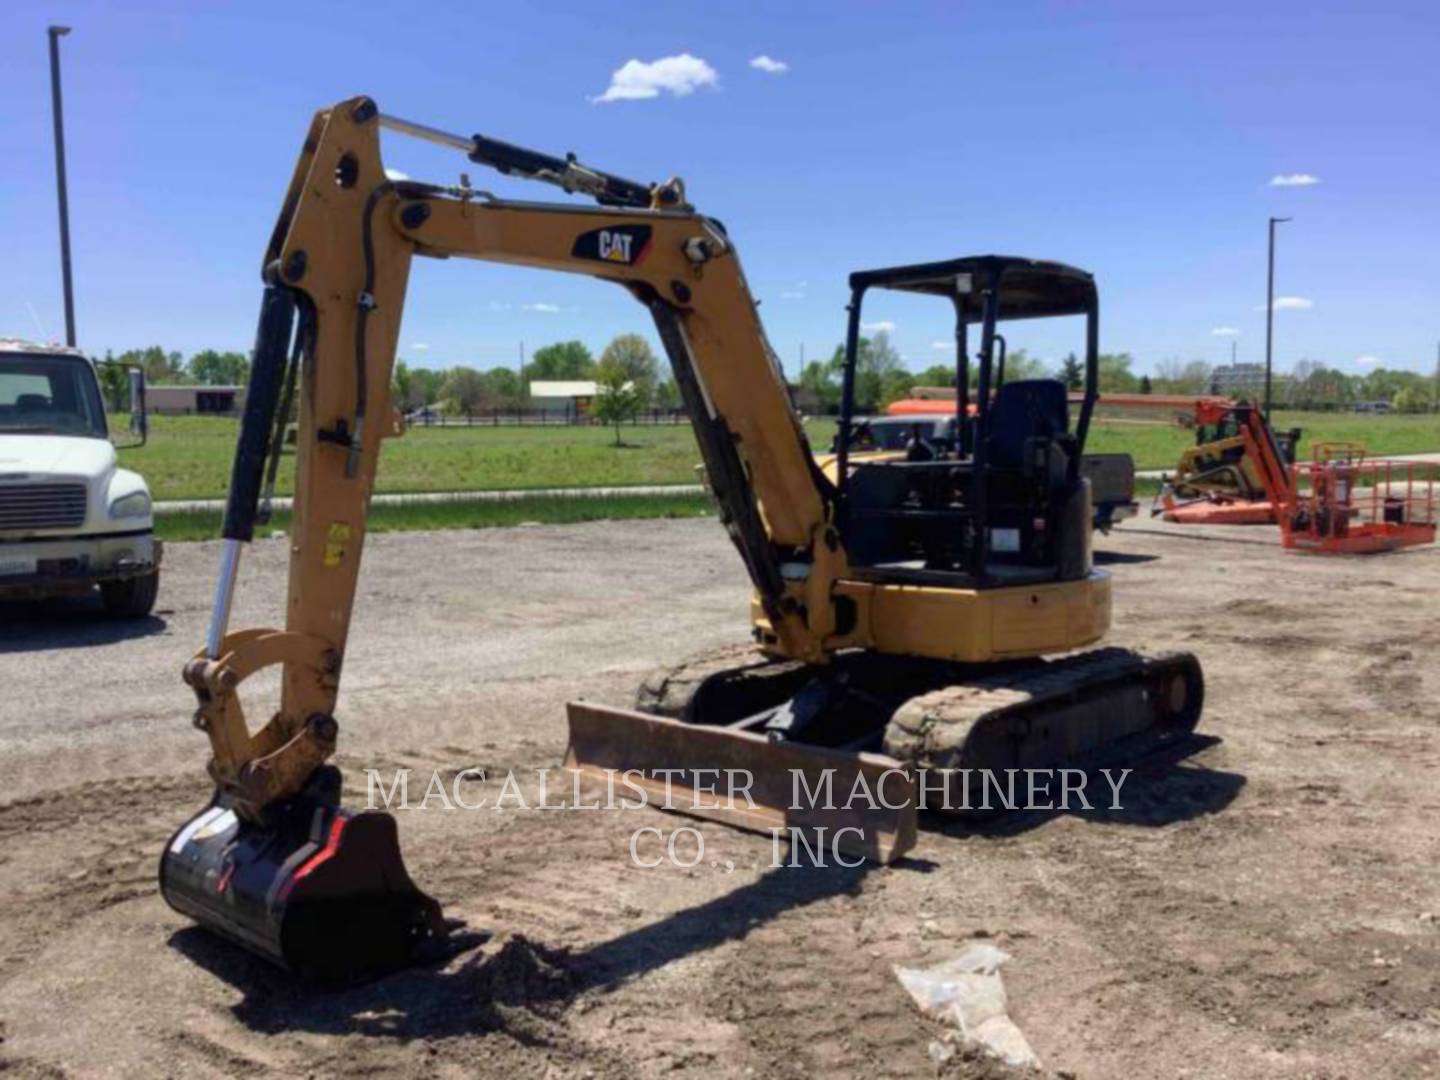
[
  {"x": 508, "y": 987},
  {"x": 1121, "y": 558},
  {"x": 69, "y": 622},
  {"x": 519, "y": 989},
  {"x": 1158, "y": 790}
]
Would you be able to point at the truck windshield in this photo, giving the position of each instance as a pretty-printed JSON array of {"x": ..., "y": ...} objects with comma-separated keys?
[{"x": 50, "y": 395}]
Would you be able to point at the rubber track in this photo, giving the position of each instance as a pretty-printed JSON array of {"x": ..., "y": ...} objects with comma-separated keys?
[{"x": 935, "y": 729}]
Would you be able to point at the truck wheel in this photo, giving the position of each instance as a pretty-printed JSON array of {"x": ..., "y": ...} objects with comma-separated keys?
[{"x": 132, "y": 598}]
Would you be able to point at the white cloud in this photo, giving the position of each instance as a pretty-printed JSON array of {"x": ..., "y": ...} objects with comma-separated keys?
[
  {"x": 396, "y": 174},
  {"x": 945, "y": 345},
  {"x": 548, "y": 309},
  {"x": 1225, "y": 331},
  {"x": 792, "y": 294},
  {"x": 496, "y": 305},
  {"x": 636, "y": 80},
  {"x": 1367, "y": 361},
  {"x": 1290, "y": 303},
  {"x": 769, "y": 66},
  {"x": 884, "y": 326},
  {"x": 420, "y": 346},
  {"x": 1298, "y": 179}
]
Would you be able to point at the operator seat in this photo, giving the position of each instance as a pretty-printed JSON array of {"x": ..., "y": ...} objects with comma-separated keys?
[{"x": 1024, "y": 410}]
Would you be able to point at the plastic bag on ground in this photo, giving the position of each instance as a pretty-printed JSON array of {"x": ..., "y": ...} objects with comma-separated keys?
[{"x": 968, "y": 992}]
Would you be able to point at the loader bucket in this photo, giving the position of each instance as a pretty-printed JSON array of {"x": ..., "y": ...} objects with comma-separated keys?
[
  {"x": 321, "y": 891},
  {"x": 855, "y": 804}
]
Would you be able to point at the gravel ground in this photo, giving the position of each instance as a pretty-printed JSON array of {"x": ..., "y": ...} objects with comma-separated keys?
[{"x": 1267, "y": 904}]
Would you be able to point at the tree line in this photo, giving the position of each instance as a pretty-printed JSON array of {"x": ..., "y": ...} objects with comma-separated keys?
[
  {"x": 627, "y": 367},
  {"x": 881, "y": 378},
  {"x": 629, "y": 376}
]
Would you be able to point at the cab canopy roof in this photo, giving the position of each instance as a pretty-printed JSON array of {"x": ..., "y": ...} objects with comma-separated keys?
[{"x": 1029, "y": 288}]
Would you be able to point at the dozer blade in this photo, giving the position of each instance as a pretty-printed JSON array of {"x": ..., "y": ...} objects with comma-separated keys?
[
  {"x": 859, "y": 804},
  {"x": 320, "y": 891}
]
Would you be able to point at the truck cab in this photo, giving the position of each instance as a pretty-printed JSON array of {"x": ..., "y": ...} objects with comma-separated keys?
[{"x": 71, "y": 520}]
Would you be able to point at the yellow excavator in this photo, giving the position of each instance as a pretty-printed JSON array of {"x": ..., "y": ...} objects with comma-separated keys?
[{"x": 903, "y": 610}]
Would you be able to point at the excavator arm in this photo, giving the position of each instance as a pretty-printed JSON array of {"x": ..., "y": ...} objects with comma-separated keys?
[
  {"x": 336, "y": 273},
  {"x": 269, "y": 861}
]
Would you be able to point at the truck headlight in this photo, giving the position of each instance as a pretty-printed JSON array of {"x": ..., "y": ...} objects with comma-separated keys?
[{"x": 136, "y": 504}]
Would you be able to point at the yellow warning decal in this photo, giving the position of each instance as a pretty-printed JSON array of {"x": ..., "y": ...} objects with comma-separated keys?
[{"x": 336, "y": 538}]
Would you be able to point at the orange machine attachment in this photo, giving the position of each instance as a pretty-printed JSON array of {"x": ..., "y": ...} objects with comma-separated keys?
[
  {"x": 1344, "y": 504},
  {"x": 1237, "y": 477}
]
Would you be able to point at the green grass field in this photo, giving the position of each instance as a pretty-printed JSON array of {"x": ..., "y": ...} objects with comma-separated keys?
[
  {"x": 189, "y": 457},
  {"x": 525, "y": 510},
  {"x": 1159, "y": 446}
]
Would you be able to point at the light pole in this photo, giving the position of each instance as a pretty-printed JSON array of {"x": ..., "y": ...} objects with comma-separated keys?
[
  {"x": 56, "y": 33},
  {"x": 1270, "y": 314}
]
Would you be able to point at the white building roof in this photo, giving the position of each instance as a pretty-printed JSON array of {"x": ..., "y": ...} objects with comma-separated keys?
[{"x": 564, "y": 388}]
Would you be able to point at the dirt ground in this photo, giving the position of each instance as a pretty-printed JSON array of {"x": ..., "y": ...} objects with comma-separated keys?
[{"x": 1266, "y": 905}]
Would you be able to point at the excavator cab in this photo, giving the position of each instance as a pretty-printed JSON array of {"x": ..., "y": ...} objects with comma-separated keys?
[{"x": 1006, "y": 502}]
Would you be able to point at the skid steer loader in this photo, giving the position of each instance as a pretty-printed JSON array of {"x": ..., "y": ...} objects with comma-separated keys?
[{"x": 903, "y": 610}]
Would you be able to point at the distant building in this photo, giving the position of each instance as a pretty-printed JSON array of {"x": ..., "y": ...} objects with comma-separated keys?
[
  {"x": 195, "y": 400},
  {"x": 573, "y": 396},
  {"x": 1245, "y": 380}
]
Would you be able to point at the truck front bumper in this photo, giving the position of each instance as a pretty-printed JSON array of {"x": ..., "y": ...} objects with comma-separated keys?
[{"x": 59, "y": 564}]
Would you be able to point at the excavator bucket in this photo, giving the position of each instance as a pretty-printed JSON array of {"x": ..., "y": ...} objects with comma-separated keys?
[
  {"x": 855, "y": 804},
  {"x": 322, "y": 891}
]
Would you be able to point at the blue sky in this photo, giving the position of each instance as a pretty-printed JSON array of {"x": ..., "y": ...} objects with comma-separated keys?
[{"x": 1136, "y": 140}]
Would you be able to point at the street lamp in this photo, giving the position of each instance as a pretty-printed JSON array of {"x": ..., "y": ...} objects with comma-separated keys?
[
  {"x": 1270, "y": 313},
  {"x": 56, "y": 33}
]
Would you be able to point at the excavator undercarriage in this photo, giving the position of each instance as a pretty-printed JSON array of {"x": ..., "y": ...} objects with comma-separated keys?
[{"x": 911, "y": 619}]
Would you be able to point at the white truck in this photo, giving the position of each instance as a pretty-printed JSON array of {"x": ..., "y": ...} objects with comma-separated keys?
[{"x": 71, "y": 519}]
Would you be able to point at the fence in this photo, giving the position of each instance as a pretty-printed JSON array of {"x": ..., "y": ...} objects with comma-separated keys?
[{"x": 512, "y": 417}]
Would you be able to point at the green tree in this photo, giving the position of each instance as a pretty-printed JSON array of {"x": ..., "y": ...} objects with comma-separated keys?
[
  {"x": 617, "y": 399},
  {"x": 667, "y": 395},
  {"x": 114, "y": 384},
  {"x": 465, "y": 390},
  {"x": 937, "y": 375},
  {"x": 1019, "y": 364},
  {"x": 427, "y": 386},
  {"x": 880, "y": 376},
  {"x": 563, "y": 360},
  {"x": 1411, "y": 399},
  {"x": 1115, "y": 374},
  {"x": 819, "y": 384},
  {"x": 160, "y": 367},
  {"x": 212, "y": 368},
  {"x": 635, "y": 357},
  {"x": 503, "y": 387},
  {"x": 1385, "y": 384},
  {"x": 1314, "y": 386},
  {"x": 1072, "y": 373},
  {"x": 402, "y": 387},
  {"x": 1146, "y": 386}
]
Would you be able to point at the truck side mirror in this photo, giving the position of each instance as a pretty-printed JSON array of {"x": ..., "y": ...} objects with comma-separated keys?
[{"x": 139, "y": 418}]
